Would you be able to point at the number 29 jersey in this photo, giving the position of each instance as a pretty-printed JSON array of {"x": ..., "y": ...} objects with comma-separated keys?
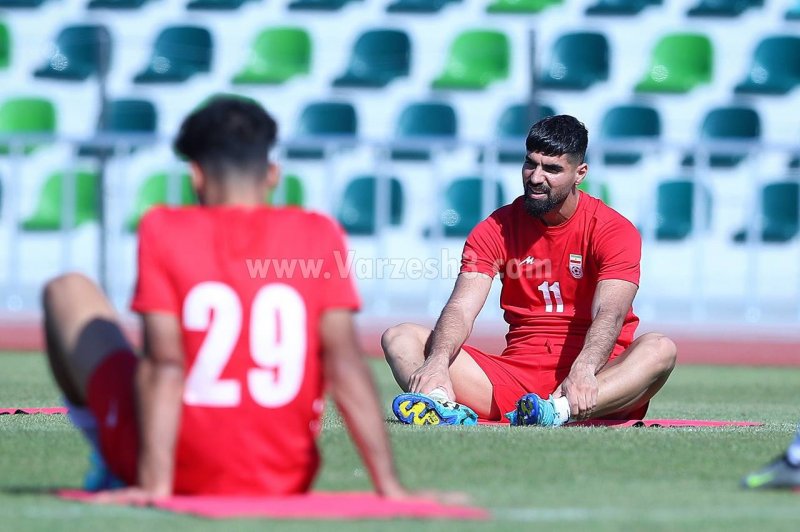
[
  {"x": 550, "y": 273},
  {"x": 249, "y": 287}
]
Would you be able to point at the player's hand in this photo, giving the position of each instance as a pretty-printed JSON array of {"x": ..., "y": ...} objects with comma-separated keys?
[
  {"x": 580, "y": 388},
  {"x": 130, "y": 495},
  {"x": 434, "y": 373},
  {"x": 399, "y": 493}
]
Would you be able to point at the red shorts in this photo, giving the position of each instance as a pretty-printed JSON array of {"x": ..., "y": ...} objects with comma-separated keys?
[
  {"x": 539, "y": 371},
  {"x": 111, "y": 397}
]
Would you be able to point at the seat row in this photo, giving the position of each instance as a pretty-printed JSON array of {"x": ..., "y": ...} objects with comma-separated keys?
[
  {"x": 679, "y": 63},
  {"x": 419, "y": 126},
  {"x": 703, "y": 8}
]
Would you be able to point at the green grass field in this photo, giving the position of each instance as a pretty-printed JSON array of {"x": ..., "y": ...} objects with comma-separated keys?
[{"x": 560, "y": 479}]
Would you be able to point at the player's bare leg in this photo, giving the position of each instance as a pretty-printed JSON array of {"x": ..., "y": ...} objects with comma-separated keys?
[{"x": 404, "y": 348}]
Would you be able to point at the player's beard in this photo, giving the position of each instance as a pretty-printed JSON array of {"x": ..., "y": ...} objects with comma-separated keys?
[{"x": 539, "y": 207}]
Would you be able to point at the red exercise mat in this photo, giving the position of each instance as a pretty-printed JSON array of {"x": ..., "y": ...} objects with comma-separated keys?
[
  {"x": 57, "y": 410},
  {"x": 320, "y": 505},
  {"x": 649, "y": 423}
]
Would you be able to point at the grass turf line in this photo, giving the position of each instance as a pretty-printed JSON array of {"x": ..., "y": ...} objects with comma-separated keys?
[{"x": 592, "y": 478}]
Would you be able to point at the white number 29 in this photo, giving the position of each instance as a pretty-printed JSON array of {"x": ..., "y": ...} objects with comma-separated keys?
[{"x": 277, "y": 344}]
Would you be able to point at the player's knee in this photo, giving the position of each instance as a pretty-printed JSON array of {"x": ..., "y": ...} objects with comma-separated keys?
[
  {"x": 664, "y": 350},
  {"x": 64, "y": 287},
  {"x": 395, "y": 334}
]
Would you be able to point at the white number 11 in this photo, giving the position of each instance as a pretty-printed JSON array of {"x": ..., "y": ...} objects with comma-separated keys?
[{"x": 545, "y": 288}]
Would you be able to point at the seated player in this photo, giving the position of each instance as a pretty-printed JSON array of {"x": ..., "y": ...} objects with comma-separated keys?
[
  {"x": 227, "y": 398},
  {"x": 569, "y": 266},
  {"x": 781, "y": 473}
]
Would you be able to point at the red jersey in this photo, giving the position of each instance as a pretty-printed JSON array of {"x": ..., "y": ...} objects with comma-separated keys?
[
  {"x": 249, "y": 287},
  {"x": 550, "y": 273}
]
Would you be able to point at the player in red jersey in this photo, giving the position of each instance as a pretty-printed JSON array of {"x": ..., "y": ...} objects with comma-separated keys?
[
  {"x": 227, "y": 397},
  {"x": 569, "y": 266}
]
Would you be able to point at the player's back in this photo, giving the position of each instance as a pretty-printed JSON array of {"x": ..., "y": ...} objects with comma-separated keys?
[{"x": 249, "y": 287}]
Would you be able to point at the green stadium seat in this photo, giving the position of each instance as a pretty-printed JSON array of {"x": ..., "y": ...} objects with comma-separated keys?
[
  {"x": 780, "y": 213},
  {"x": 26, "y": 116},
  {"x": 793, "y": 13},
  {"x": 598, "y": 190},
  {"x": 179, "y": 53},
  {"x": 318, "y": 5},
  {"x": 156, "y": 191},
  {"x": 579, "y": 60},
  {"x": 379, "y": 57},
  {"x": 419, "y": 6},
  {"x": 620, "y": 7},
  {"x": 675, "y": 209},
  {"x": 320, "y": 122},
  {"x": 214, "y": 5},
  {"x": 423, "y": 124},
  {"x": 775, "y": 68},
  {"x": 521, "y": 6},
  {"x": 722, "y": 8},
  {"x": 79, "y": 52},
  {"x": 734, "y": 123},
  {"x": 124, "y": 116},
  {"x": 513, "y": 126},
  {"x": 477, "y": 58},
  {"x": 116, "y": 4},
  {"x": 463, "y": 205},
  {"x": 358, "y": 210},
  {"x": 20, "y": 3},
  {"x": 5, "y": 46},
  {"x": 679, "y": 63},
  {"x": 628, "y": 122},
  {"x": 290, "y": 192},
  {"x": 277, "y": 55},
  {"x": 48, "y": 214}
]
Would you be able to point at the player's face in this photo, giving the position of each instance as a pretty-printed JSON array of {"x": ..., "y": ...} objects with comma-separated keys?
[{"x": 548, "y": 181}]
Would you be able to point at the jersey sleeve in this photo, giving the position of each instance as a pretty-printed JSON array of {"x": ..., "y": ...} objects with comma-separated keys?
[
  {"x": 618, "y": 251},
  {"x": 155, "y": 291},
  {"x": 337, "y": 289},
  {"x": 484, "y": 250}
]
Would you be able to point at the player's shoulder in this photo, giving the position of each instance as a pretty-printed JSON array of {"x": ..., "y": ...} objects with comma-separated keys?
[{"x": 604, "y": 215}]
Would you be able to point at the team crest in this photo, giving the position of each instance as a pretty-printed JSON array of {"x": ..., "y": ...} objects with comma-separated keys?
[{"x": 576, "y": 265}]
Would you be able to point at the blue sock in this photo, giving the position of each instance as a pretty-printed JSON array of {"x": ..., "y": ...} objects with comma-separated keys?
[
  {"x": 793, "y": 452},
  {"x": 84, "y": 420}
]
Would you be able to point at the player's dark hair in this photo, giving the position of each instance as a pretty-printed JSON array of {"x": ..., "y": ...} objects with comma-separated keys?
[
  {"x": 558, "y": 135},
  {"x": 228, "y": 136}
]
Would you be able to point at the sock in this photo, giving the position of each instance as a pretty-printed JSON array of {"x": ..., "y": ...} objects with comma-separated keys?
[
  {"x": 84, "y": 420},
  {"x": 438, "y": 394},
  {"x": 793, "y": 452},
  {"x": 561, "y": 407}
]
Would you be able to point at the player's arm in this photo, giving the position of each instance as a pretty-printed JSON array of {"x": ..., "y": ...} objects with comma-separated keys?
[
  {"x": 451, "y": 331},
  {"x": 350, "y": 383},
  {"x": 612, "y": 302},
  {"x": 159, "y": 385}
]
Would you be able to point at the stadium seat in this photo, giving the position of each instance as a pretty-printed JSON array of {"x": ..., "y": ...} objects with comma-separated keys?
[
  {"x": 775, "y": 68},
  {"x": 26, "y": 116},
  {"x": 21, "y": 3},
  {"x": 628, "y": 122},
  {"x": 320, "y": 122},
  {"x": 179, "y": 53},
  {"x": 793, "y": 13},
  {"x": 5, "y": 46},
  {"x": 521, "y": 6},
  {"x": 358, "y": 210},
  {"x": 379, "y": 57},
  {"x": 214, "y": 5},
  {"x": 675, "y": 209},
  {"x": 620, "y": 7},
  {"x": 124, "y": 116},
  {"x": 156, "y": 191},
  {"x": 598, "y": 190},
  {"x": 477, "y": 58},
  {"x": 79, "y": 52},
  {"x": 277, "y": 55},
  {"x": 579, "y": 60},
  {"x": 513, "y": 126},
  {"x": 421, "y": 124},
  {"x": 463, "y": 205},
  {"x": 780, "y": 214},
  {"x": 418, "y": 6},
  {"x": 318, "y": 5},
  {"x": 47, "y": 216},
  {"x": 722, "y": 8},
  {"x": 734, "y": 123},
  {"x": 290, "y": 192},
  {"x": 679, "y": 63},
  {"x": 116, "y": 4}
]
